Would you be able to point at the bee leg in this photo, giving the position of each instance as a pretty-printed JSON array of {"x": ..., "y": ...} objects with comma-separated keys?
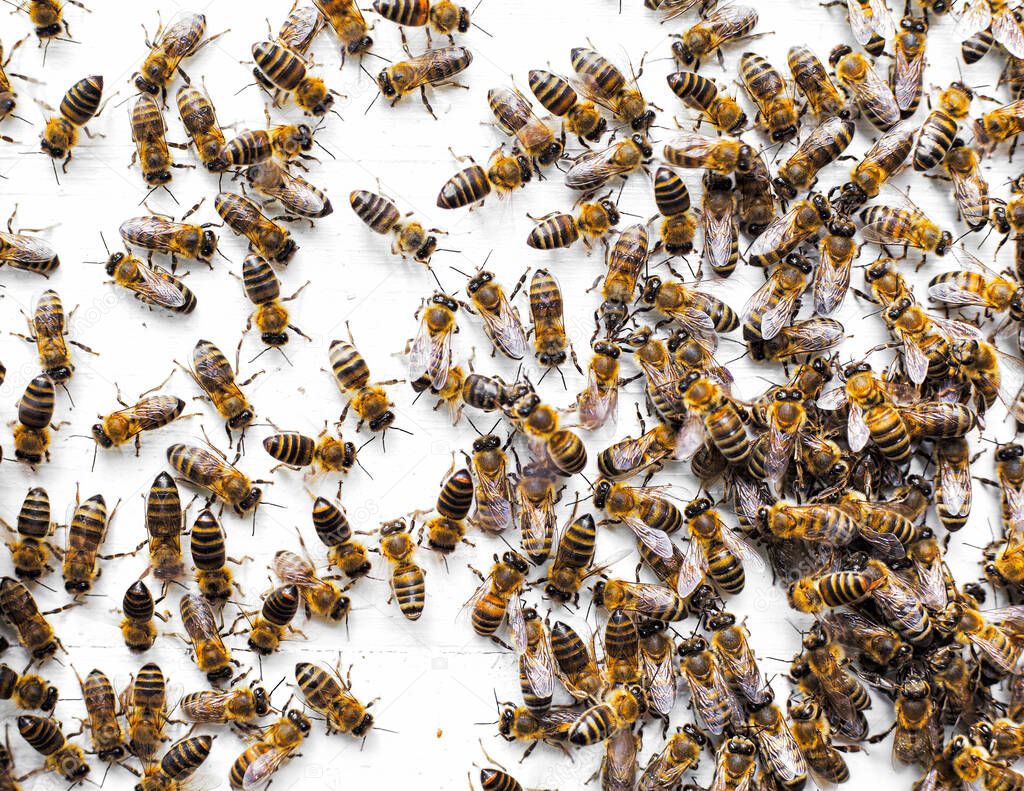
[{"x": 426, "y": 103}]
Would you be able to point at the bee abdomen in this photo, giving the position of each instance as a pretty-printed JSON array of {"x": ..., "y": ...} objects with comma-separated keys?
[
  {"x": 348, "y": 365},
  {"x": 137, "y": 604},
  {"x": 410, "y": 13},
  {"x": 729, "y": 435},
  {"x": 206, "y": 542},
  {"x": 261, "y": 284},
  {"x": 281, "y": 605},
  {"x": 185, "y": 756},
  {"x": 291, "y": 448},
  {"x": 409, "y": 585},
  {"x": 593, "y": 726},
  {"x": 35, "y": 410},
  {"x": 670, "y": 193},
  {"x": 82, "y": 100},
  {"x": 727, "y": 571},
  {"x": 469, "y": 185},
  {"x": 34, "y": 516},
  {"x": 374, "y": 210},
  {"x": 554, "y": 232},
  {"x": 567, "y": 451},
  {"x": 456, "y": 497},
  {"x": 552, "y": 91},
  {"x": 282, "y": 67},
  {"x": 42, "y": 733},
  {"x": 488, "y": 614},
  {"x": 330, "y": 523},
  {"x": 934, "y": 140}
]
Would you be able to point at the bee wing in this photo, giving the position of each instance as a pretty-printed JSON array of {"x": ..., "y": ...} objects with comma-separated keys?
[
  {"x": 831, "y": 282},
  {"x": 781, "y": 444},
  {"x": 592, "y": 169},
  {"x": 536, "y": 522},
  {"x": 661, "y": 682},
  {"x": 430, "y": 353},
  {"x": 202, "y": 622},
  {"x": 775, "y": 234},
  {"x": 780, "y": 753},
  {"x": 159, "y": 287},
  {"x": 970, "y": 191},
  {"x": 516, "y": 623},
  {"x": 21, "y": 249},
  {"x": 506, "y": 330},
  {"x": 974, "y": 17},
  {"x": 496, "y": 495},
  {"x": 1008, "y": 660},
  {"x": 954, "y": 294},
  {"x": 690, "y": 145},
  {"x": 209, "y": 706},
  {"x": 153, "y": 412},
  {"x": 692, "y": 565},
  {"x": 955, "y": 480},
  {"x": 886, "y": 545},
  {"x": 860, "y": 24},
  {"x": 596, "y": 404},
  {"x": 832, "y": 400},
  {"x": 874, "y": 91},
  {"x": 589, "y": 87},
  {"x": 707, "y": 701},
  {"x": 629, "y": 453},
  {"x": 690, "y": 437},
  {"x": 719, "y": 235},
  {"x": 1011, "y": 385},
  {"x": 653, "y": 538},
  {"x": 857, "y": 433},
  {"x": 759, "y": 300},
  {"x": 259, "y": 772},
  {"x": 294, "y": 571},
  {"x": 698, "y": 324},
  {"x": 181, "y": 37},
  {"x": 1011, "y": 617},
  {"x": 907, "y": 78},
  {"x": 511, "y": 109},
  {"x": 1007, "y": 31},
  {"x": 294, "y": 193},
  {"x": 931, "y": 584},
  {"x": 777, "y": 316},
  {"x": 914, "y": 359},
  {"x": 670, "y": 9},
  {"x": 814, "y": 335},
  {"x": 539, "y": 668},
  {"x": 881, "y": 19}
]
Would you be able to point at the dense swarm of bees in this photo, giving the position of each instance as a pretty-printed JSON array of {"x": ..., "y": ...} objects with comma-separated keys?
[{"x": 844, "y": 480}]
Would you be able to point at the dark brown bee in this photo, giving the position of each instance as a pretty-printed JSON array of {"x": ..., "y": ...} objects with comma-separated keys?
[
  {"x": 27, "y": 690},
  {"x": 326, "y": 453},
  {"x": 776, "y": 109},
  {"x": 726, "y": 24},
  {"x": 701, "y": 93},
  {"x": 581, "y": 117},
  {"x": 411, "y": 239},
  {"x": 105, "y": 731},
  {"x": 328, "y": 694},
  {"x": 158, "y": 234},
  {"x": 333, "y": 528},
  {"x": 149, "y": 135},
  {"x": 32, "y": 429},
  {"x": 592, "y": 170},
  {"x": 820, "y": 148},
  {"x": 810, "y": 76},
  {"x": 266, "y": 237},
  {"x": 211, "y": 471},
  {"x": 180, "y": 761},
  {"x": 575, "y": 664},
  {"x": 137, "y": 628},
  {"x": 79, "y": 105},
  {"x": 85, "y": 535},
  {"x": 286, "y": 72},
  {"x": 19, "y": 609},
  {"x": 144, "y": 702},
  {"x": 209, "y": 555},
  {"x": 296, "y": 196},
  {"x": 30, "y": 553},
  {"x": 433, "y": 67},
  {"x": 46, "y": 737}
]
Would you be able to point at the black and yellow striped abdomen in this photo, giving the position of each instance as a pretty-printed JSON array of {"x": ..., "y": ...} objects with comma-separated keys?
[
  {"x": 291, "y": 448},
  {"x": 350, "y": 369},
  {"x": 330, "y": 523},
  {"x": 34, "y": 516},
  {"x": 670, "y": 193},
  {"x": 279, "y": 65},
  {"x": 456, "y": 496},
  {"x": 409, "y": 584},
  {"x": 259, "y": 279},
  {"x": 82, "y": 100},
  {"x": 375, "y": 210},
  {"x": 35, "y": 410},
  {"x": 469, "y": 185}
]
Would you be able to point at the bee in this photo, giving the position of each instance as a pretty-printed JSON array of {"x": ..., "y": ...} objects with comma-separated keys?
[
  {"x": 952, "y": 483},
  {"x": 999, "y": 653},
  {"x": 755, "y": 202},
  {"x": 493, "y": 513},
  {"x": 813, "y": 735},
  {"x": 699, "y": 313},
  {"x": 778, "y": 748},
  {"x": 35, "y": 413},
  {"x": 769, "y": 308},
  {"x": 408, "y": 586},
  {"x": 27, "y": 253},
  {"x": 199, "y": 118},
  {"x": 826, "y": 663},
  {"x": 630, "y": 456},
  {"x": 813, "y": 594},
  {"x": 325, "y": 453},
  {"x": 144, "y": 703},
  {"x": 548, "y": 319},
  {"x": 48, "y": 330},
  {"x": 579, "y": 117},
  {"x": 823, "y": 98},
  {"x": 242, "y": 705},
  {"x": 620, "y": 709},
  {"x": 515, "y": 117},
  {"x": 648, "y": 600},
  {"x": 211, "y": 370},
  {"x": 592, "y": 221},
  {"x": 211, "y": 471},
  {"x": 974, "y": 48},
  {"x": 881, "y": 161},
  {"x": 320, "y": 596},
  {"x": 85, "y": 535},
  {"x": 448, "y": 528},
  {"x": 158, "y": 234},
  {"x": 348, "y": 24},
  {"x": 718, "y": 224},
  {"x": 908, "y": 227},
  {"x": 434, "y": 67},
  {"x": 180, "y": 39},
  {"x": 267, "y": 238},
  {"x": 47, "y": 16},
  {"x": 917, "y": 738},
  {"x": 900, "y": 605},
  {"x": 908, "y": 68},
  {"x": 680, "y": 754},
  {"x": 505, "y": 174},
  {"x": 999, "y": 125},
  {"x": 821, "y": 147},
  {"x": 1012, "y": 76},
  {"x": 488, "y": 393},
  {"x": 650, "y": 517},
  {"x": 326, "y": 693},
  {"x": 678, "y": 225},
  {"x": 536, "y": 661},
  {"x": 264, "y": 290},
  {"x": 723, "y": 155},
  {"x": 619, "y": 765},
  {"x": 602, "y": 83},
  {"x": 101, "y": 706},
  {"x": 712, "y": 699},
  {"x": 996, "y": 20},
  {"x": 973, "y": 764},
  {"x": 776, "y": 109},
  {"x": 164, "y": 521},
  {"x": 574, "y": 559},
  {"x": 286, "y": 71},
  {"x": 501, "y": 320},
  {"x": 30, "y": 553},
  {"x": 268, "y": 629},
  {"x": 277, "y": 743},
  {"x": 137, "y": 628},
  {"x": 443, "y": 16},
  {"x": 591, "y": 171},
  {"x": 149, "y": 135},
  {"x": 836, "y": 252},
  {"x": 816, "y": 522},
  {"x": 1002, "y": 737},
  {"x": 19, "y": 609},
  {"x": 983, "y": 288},
  {"x": 283, "y": 142},
  {"x": 369, "y": 402},
  {"x": 873, "y": 416},
  {"x": 490, "y": 602},
  {"x": 296, "y": 195},
  {"x": 970, "y": 190},
  {"x": 45, "y": 736},
  {"x": 575, "y": 664},
  {"x": 150, "y": 284},
  {"x": 887, "y": 285},
  {"x": 79, "y": 105},
  {"x": 724, "y": 25},
  {"x": 211, "y": 655},
  {"x": 939, "y": 130},
  {"x": 690, "y": 355},
  {"x": 626, "y": 260},
  {"x": 411, "y": 239},
  {"x": 665, "y": 388},
  {"x": 871, "y": 23},
  {"x": 209, "y": 555},
  {"x": 333, "y": 528},
  {"x": 180, "y": 761},
  {"x": 802, "y": 221},
  {"x": 536, "y": 494},
  {"x": 430, "y": 354},
  {"x": 735, "y": 657},
  {"x": 8, "y": 97},
  {"x": 127, "y": 424},
  {"x": 621, "y": 649},
  {"x": 877, "y": 645},
  {"x": 519, "y": 723},
  {"x": 870, "y": 92},
  {"x": 27, "y": 690},
  {"x": 701, "y": 94},
  {"x": 715, "y": 550}
]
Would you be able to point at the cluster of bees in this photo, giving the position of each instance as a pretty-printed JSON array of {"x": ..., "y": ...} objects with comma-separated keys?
[{"x": 813, "y": 475}]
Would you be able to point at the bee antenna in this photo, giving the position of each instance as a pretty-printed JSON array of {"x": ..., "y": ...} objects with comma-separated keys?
[
  {"x": 474, "y": 24},
  {"x": 375, "y": 55},
  {"x": 325, "y": 150},
  {"x": 375, "y": 98},
  {"x": 471, "y": 423},
  {"x": 364, "y": 469},
  {"x": 224, "y": 256},
  {"x": 240, "y": 89},
  {"x": 456, "y": 269},
  {"x": 371, "y": 439}
]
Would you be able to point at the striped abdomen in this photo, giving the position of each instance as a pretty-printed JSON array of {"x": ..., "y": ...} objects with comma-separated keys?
[
  {"x": 888, "y": 432},
  {"x": 725, "y": 427},
  {"x": 553, "y": 92},
  {"x": 248, "y": 148},
  {"x": 409, "y": 585},
  {"x": 185, "y": 756},
  {"x": 207, "y": 542},
  {"x": 35, "y": 410},
  {"x": 350, "y": 369},
  {"x": 569, "y": 650},
  {"x": 605, "y": 76},
  {"x": 137, "y": 604},
  {"x": 488, "y": 614},
  {"x": 670, "y": 193},
  {"x": 456, "y": 496},
  {"x": 281, "y": 605},
  {"x": 291, "y": 448},
  {"x": 934, "y": 139},
  {"x": 330, "y": 522},
  {"x": 724, "y": 567},
  {"x": 576, "y": 546},
  {"x": 260, "y": 281},
  {"x": 559, "y": 230},
  {"x": 82, "y": 100},
  {"x": 42, "y": 733},
  {"x": 279, "y": 65},
  {"x": 410, "y": 13},
  {"x": 34, "y": 516},
  {"x": 469, "y": 185},
  {"x": 375, "y": 210},
  {"x": 163, "y": 508}
]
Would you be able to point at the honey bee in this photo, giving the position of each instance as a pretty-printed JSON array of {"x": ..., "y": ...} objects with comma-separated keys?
[
  {"x": 48, "y": 330},
  {"x": 871, "y": 23},
  {"x": 30, "y": 553},
  {"x": 574, "y": 559},
  {"x": 493, "y": 494},
  {"x": 646, "y": 599},
  {"x": 770, "y": 307},
  {"x": 35, "y": 413},
  {"x": 632, "y": 455},
  {"x": 601, "y": 82},
  {"x": 872, "y": 95},
  {"x": 976, "y": 47},
  {"x": 841, "y": 693},
  {"x": 519, "y": 723},
  {"x": 277, "y": 743},
  {"x": 620, "y": 709},
  {"x": 592, "y": 221},
  {"x": 430, "y": 354},
  {"x": 621, "y": 649},
  {"x": 408, "y": 586},
  {"x": 908, "y": 227},
  {"x": 320, "y": 596},
  {"x": 678, "y": 224},
  {"x": 650, "y": 517},
  {"x": 970, "y": 190},
  {"x": 505, "y": 174},
  {"x": 47, "y": 16},
  {"x": 821, "y": 147},
  {"x": 995, "y": 19},
  {"x": 442, "y": 16},
  {"x": 699, "y": 313},
  {"x": 535, "y": 490},
  {"x": 85, "y": 535},
  {"x": 19, "y": 609},
  {"x": 209, "y": 555},
  {"x": 333, "y": 528},
  {"x": 836, "y": 252},
  {"x": 755, "y": 202},
  {"x": 144, "y": 702},
  {"x": 802, "y": 221},
  {"x": 159, "y": 234},
  {"x": 101, "y": 707},
  {"x": 780, "y": 753},
  {"x": 718, "y": 224},
  {"x": 128, "y": 423},
  {"x": 536, "y": 661},
  {"x": 446, "y": 530},
  {"x": 680, "y": 754},
  {"x": 712, "y": 699},
  {"x": 199, "y": 118},
  {"x": 80, "y": 104},
  {"x": 701, "y": 94},
  {"x": 240, "y": 704},
  {"x": 715, "y": 551},
  {"x": 973, "y": 764},
  {"x": 515, "y": 117},
  {"x": 211, "y": 471},
  {"x": 283, "y": 142},
  {"x": 908, "y": 68},
  {"x": 579, "y": 117},
  {"x": 871, "y": 415},
  {"x": 575, "y": 664},
  {"x": 881, "y": 161},
  {"x": 411, "y": 239},
  {"x": 325, "y": 453},
  {"x": 722, "y": 26},
  {"x": 823, "y": 98},
  {"x": 182, "y": 38},
  {"x": 591, "y": 171},
  {"x": 434, "y": 67},
  {"x": 369, "y": 402},
  {"x": 619, "y": 765},
  {"x": 813, "y": 735},
  {"x": 1000, "y": 654},
  {"x": 45, "y": 736},
  {"x": 164, "y": 522},
  {"x": 150, "y": 284},
  {"x": 776, "y": 109},
  {"x": 952, "y": 483},
  {"x": 997, "y": 126},
  {"x": 211, "y": 655},
  {"x": 137, "y": 628},
  {"x": 1002, "y": 737},
  {"x": 151, "y": 149},
  {"x": 326, "y": 693},
  {"x": 665, "y": 388},
  {"x": 981, "y": 287},
  {"x": 490, "y": 602},
  {"x": 267, "y": 238},
  {"x": 286, "y": 71},
  {"x": 267, "y": 630},
  {"x": 27, "y": 253},
  {"x": 296, "y": 195},
  {"x": 723, "y": 155},
  {"x": 501, "y": 320},
  {"x": 264, "y": 290},
  {"x": 815, "y": 593},
  {"x": 211, "y": 370},
  {"x": 900, "y": 605},
  {"x": 917, "y": 736},
  {"x": 626, "y": 259},
  {"x": 27, "y": 690},
  {"x": 179, "y": 763},
  {"x": 690, "y": 355}
]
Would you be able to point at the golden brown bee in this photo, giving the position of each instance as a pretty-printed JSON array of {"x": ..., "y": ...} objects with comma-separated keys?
[
  {"x": 621, "y": 708},
  {"x": 888, "y": 287},
  {"x": 718, "y": 223},
  {"x": 286, "y": 72},
  {"x": 678, "y": 224},
  {"x": 681, "y": 753},
  {"x": 537, "y": 670},
  {"x": 446, "y": 530},
  {"x": 804, "y": 219},
  {"x": 823, "y": 98},
  {"x": 575, "y": 664},
  {"x": 536, "y": 495},
  {"x": 48, "y": 330},
  {"x": 320, "y": 596},
  {"x": 723, "y": 155},
  {"x": 283, "y": 142},
  {"x": 721, "y": 26},
  {"x": 626, "y": 260},
  {"x": 209, "y": 555},
  {"x": 144, "y": 702},
  {"x": 970, "y": 190},
  {"x": 411, "y": 239},
  {"x": 101, "y": 705},
  {"x": 776, "y": 109},
  {"x": 30, "y": 554},
  {"x": 211, "y": 370},
  {"x": 35, "y": 413},
  {"x": 266, "y": 237},
  {"x": 137, "y": 628},
  {"x": 28, "y": 253},
  {"x": 1003, "y": 737},
  {"x": 953, "y": 483},
  {"x": 591, "y": 171},
  {"x": 441, "y": 16},
  {"x": 780, "y": 754},
  {"x": 264, "y": 290},
  {"x": 348, "y": 24},
  {"x": 701, "y": 93},
  {"x": 580, "y": 117},
  {"x": 501, "y": 321},
  {"x": 180, "y": 39},
  {"x": 999, "y": 125},
  {"x": 180, "y": 761},
  {"x": 211, "y": 471},
  {"x": 200, "y": 121},
  {"x": 519, "y": 723},
  {"x": 717, "y": 551},
  {"x": 574, "y": 559},
  {"x": 489, "y": 603},
  {"x": 19, "y": 609},
  {"x": 77, "y": 108},
  {"x": 150, "y": 284},
  {"x": 408, "y": 584},
  {"x": 713, "y": 701},
  {"x": 158, "y": 234},
  {"x": 599, "y": 399},
  {"x": 560, "y": 447},
  {"x": 548, "y": 318},
  {"x": 430, "y": 353},
  {"x": 515, "y": 117},
  {"x": 47, "y": 16},
  {"x": 649, "y": 600},
  {"x": 879, "y": 163},
  {"x": 505, "y": 174},
  {"x": 738, "y": 664},
  {"x": 209, "y": 652},
  {"x": 813, "y": 735},
  {"x": 268, "y": 627},
  {"x": 910, "y": 227},
  {"x": 297, "y": 196},
  {"x": 333, "y": 529},
  {"x": 973, "y": 764},
  {"x": 601, "y": 82},
  {"x": 755, "y": 200},
  {"x": 826, "y": 663},
  {"x": 630, "y": 456},
  {"x": 770, "y": 307},
  {"x": 46, "y": 737},
  {"x": 242, "y": 705},
  {"x": 164, "y": 523},
  {"x": 149, "y": 135},
  {"x": 434, "y": 67},
  {"x": 127, "y": 424},
  {"x": 870, "y": 92},
  {"x": 698, "y": 313},
  {"x": 820, "y": 148},
  {"x": 493, "y": 513},
  {"x": 369, "y": 402},
  {"x": 328, "y": 694},
  {"x": 907, "y": 75},
  {"x": 27, "y": 690},
  {"x": 814, "y": 594},
  {"x": 836, "y": 252},
  {"x": 324, "y": 454},
  {"x": 592, "y": 221},
  {"x": 276, "y": 744}
]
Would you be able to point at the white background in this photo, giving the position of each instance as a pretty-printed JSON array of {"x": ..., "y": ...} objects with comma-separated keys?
[{"x": 436, "y": 680}]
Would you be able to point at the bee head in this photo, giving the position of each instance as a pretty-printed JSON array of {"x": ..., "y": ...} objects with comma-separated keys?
[
  {"x": 945, "y": 242},
  {"x": 651, "y": 288},
  {"x": 783, "y": 188},
  {"x": 697, "y": 507},
  {"x": 247, "y": 504},
  {"x": 486, "y": 443},
  {"x": 261, "y": 702},
  {"x": 598, "y": 594},
  {"x": 643, "y": 121},
  {"x": 364, "y": 725},
  {"x": 682, "y": 54},
  {"x": 208, "y": 246},
  {"x": 242, "y": 419},
  {"x": 601, "y": 492},
  {"x": 427, "y": 250},
  {"x": 385, "y": 84},
  {"x": 645, "y": 148},
  {"x": 612, "y": 211},
  {"x": 360, "y": 46},
  {"x": 101, "y": 437},
  {"x": 464, "y": 20},
  {"x": 551, "y": 153},
  {"x": 838, "y": 54},
  {"x": 383, "y": 421}
]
